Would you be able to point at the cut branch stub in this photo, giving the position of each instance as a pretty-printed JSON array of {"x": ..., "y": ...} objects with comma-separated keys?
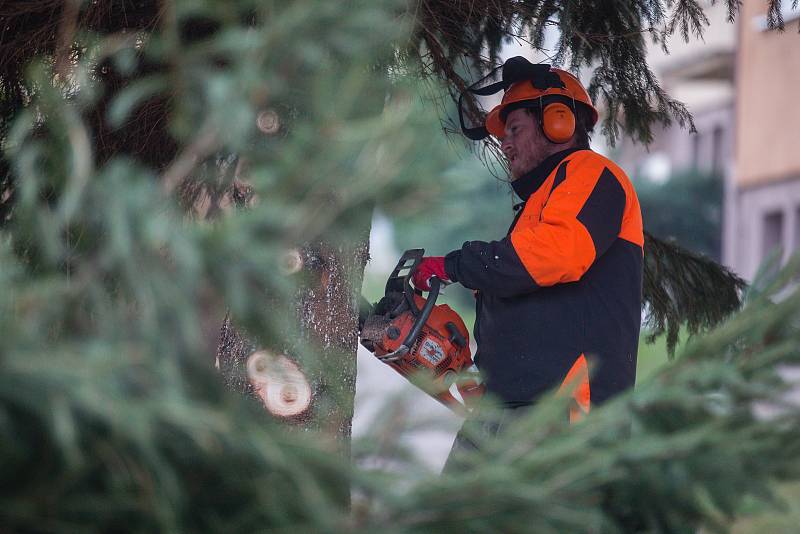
[
  {"x": 280, "y": 384},
  {"x": 291, "y": 262}
]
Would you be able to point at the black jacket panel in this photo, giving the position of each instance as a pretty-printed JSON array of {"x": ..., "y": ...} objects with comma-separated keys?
[{"x": 528, "y": 334}]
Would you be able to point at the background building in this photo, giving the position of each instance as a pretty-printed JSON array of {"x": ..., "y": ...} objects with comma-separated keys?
[
  {"x": 763, "y": 200},
  {"x": 699, "y": 74}
]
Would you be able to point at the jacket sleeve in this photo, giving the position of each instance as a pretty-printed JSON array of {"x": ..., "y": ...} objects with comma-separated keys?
[
  {"x": 579, "y": 222},
  {"x": 491, "y": 267}
]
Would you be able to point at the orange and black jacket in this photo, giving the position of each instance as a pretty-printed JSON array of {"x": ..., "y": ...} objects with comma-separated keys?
[{"x": 563, "y": 287}]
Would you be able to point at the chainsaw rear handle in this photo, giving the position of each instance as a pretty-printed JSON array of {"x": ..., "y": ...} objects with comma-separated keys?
[{"x": 421, "y": 319}]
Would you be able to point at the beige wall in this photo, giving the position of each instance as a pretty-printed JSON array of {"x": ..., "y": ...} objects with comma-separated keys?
[
  {"x": 718, "y": 36},
  {"x": 767, "y": 100}
]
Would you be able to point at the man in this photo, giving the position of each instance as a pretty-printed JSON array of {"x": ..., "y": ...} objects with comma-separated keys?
[{"x": 559, "y": 297}]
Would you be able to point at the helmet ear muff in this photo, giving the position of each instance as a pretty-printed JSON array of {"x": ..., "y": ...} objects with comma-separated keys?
[{"x": 558, "y": 122}]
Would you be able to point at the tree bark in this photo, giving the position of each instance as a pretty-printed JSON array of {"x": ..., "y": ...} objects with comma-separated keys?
[{"x": 327, "y": 313}]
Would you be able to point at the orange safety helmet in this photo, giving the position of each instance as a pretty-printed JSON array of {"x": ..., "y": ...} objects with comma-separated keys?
[
  {"x": 557, "y": 114},
  {"x": 554, "y": 91}
]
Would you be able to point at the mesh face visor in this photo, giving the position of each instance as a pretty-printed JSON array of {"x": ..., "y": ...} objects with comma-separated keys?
[{"x": 483, "y": 94}]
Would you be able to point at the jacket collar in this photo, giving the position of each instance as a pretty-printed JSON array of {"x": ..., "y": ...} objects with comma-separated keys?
[{"x": 528, "y": 183}]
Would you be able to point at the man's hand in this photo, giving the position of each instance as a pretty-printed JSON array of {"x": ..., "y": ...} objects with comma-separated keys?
[{"x": 430, "y": 266}]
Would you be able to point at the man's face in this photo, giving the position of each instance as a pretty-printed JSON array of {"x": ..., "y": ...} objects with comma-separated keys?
[{"x": 524, "y": 144}]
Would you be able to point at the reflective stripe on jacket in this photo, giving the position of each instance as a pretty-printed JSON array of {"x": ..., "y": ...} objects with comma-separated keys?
[{"x": 563, "y": 287}]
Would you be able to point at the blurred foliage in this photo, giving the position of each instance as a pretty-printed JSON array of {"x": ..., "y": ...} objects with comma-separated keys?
[
  {"x": 686, "y": 209},
  {"x": 111, "y": 412},
  {"x": 218, "y": 107},
  {"x": 470, "y": 203},
  {"x": 697, "y": 446},
  {"x": 784, "y": 520}
]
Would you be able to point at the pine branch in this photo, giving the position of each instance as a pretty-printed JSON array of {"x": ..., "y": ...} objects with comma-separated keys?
[
  {"x": 681, "y": 288},
  {"x": 691, "y": 449},
  {"x": 608, "y": 37}
]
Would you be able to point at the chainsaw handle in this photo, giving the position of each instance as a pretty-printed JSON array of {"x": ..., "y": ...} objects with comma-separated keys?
[
  {"x": 421, "y": 319},
  {"x": 406, "y": 265}
]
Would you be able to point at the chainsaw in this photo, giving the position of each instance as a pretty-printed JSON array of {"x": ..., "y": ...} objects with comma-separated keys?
[{"x": 426, "y": 343}]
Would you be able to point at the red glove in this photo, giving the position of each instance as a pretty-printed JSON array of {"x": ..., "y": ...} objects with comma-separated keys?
[{"x": 430, "y": 266}]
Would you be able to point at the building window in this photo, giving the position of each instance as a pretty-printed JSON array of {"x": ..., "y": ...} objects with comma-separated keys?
[
  {"x": 716, "y": 149},
  {"x": 796, "y": 244},
  {"x": 696, "y": 151},
  {"x": 772, "y": 238}
]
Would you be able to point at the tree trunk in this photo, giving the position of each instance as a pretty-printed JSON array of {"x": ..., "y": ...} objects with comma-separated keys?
[{"x": 327, "y": 313}]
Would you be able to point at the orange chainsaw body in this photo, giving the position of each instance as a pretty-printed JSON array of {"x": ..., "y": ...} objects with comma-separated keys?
[{"x": 436, "y": 359}]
